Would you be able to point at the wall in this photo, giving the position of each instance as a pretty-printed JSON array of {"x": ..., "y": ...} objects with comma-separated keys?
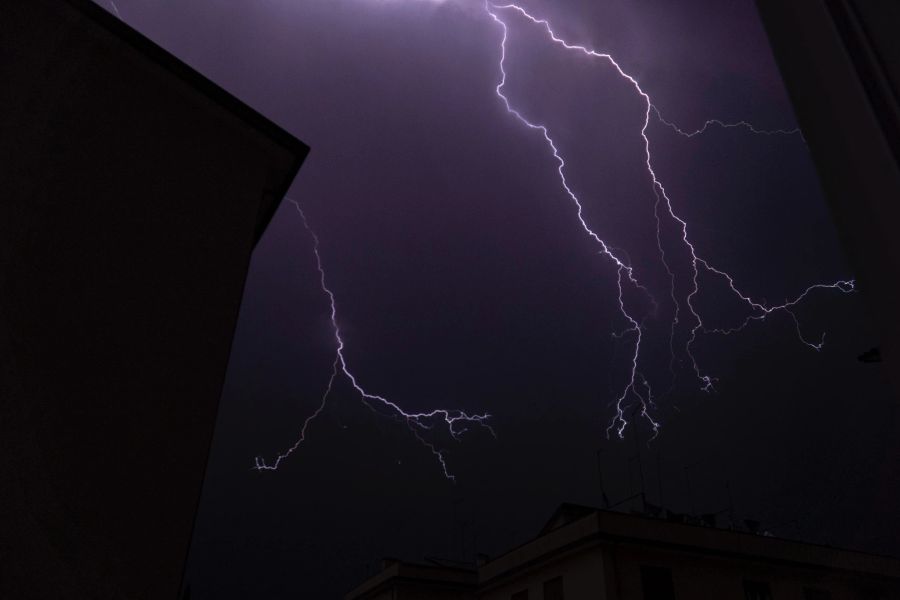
[
  {"x": 582, "y": 573},
  {"x": 699, "y": 576},
  {"x": 129, "y": 205}
]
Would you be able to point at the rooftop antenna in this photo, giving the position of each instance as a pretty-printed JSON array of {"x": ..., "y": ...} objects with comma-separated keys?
[
  {"x": 637, "y": 449},
  {"x": 730, "y": 504},
  {"x": 690, "y": 494},
  {"x": 600, "y": 476},
  {"x": 659, "y": 482},
  {"x": 462, "y": 539},
  {"x": 455, "y": 522}
]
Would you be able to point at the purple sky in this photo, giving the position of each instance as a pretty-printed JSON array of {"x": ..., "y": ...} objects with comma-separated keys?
[{"x": 463, "y": 280}]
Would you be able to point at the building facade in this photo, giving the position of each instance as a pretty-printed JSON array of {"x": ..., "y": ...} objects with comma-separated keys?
[
  {"x": 589, "y": 554},
  {"x": 132, "y": 193}
]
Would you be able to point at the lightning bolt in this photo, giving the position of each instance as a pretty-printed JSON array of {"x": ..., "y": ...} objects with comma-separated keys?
[
  {"x": 724, "y": 125},
  {"x": 419, "y": 423},
  {"x": 634, "y": 327},
  {"x": 638, "y": 386}
]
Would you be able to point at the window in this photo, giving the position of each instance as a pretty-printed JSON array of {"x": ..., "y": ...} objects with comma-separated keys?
[
  {"x": 523, "y": 595},
  {"x": 553, "y": 589},
  {"x": 656, "y": 582},
  {"x": 815, "y": 594},
  {"x": 757, "y": 590}
]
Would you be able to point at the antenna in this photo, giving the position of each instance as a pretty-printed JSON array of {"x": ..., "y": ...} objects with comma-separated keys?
[
  {"x": 455, "y": 522},
  {"x": 730, "y": 504},
  {"x": 462, "y": 539},
  {"x": 690, "y": 494},
  {"x": 637, "y": 449},
  {"x": 659, "y": 482},
  {"x": 600, "y": 477}
]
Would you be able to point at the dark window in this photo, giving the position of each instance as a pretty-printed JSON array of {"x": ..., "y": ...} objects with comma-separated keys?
[
  {"x": 523, "y": 595},
  {"x": 814, "y": 594},
  {"x": 757, "y": 590},
  {"x": 553, "y": 589},
  {"x": 656, "y": 582}
]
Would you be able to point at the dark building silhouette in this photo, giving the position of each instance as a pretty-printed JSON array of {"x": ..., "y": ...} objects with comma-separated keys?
[
  {"x": 399, "y": 580},
  {"x": 841, "y": 64},
  {"x": 583, "y": 553},
  {"x": 132, "y": 193},
  {"x": 840, "y": 60}
]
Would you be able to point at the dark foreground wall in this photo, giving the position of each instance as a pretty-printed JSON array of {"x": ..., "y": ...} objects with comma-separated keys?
[
  {"x": 131, "y": 195},
  {"x": 841, "y": 63}
]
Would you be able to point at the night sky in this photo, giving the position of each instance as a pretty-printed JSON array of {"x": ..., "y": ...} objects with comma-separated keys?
[{"x": 463, "y": 280}]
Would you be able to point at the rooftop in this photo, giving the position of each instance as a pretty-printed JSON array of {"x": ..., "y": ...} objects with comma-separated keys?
[{"x": 574, "y": 527}]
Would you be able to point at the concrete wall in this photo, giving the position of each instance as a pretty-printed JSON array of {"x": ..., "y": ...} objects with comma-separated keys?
[
  {"x": 698, "y": 576},
  {"x": 582, "y": 573},
  {"x": 839, "y": 60},
  {"x": 130, "y": 201},
  {"x": 413, "y": 591},
  {"x": 613, "y": 572}
]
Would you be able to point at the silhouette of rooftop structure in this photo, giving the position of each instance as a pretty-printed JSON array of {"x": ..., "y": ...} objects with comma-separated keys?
[{"x": 585, "y": 552}]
